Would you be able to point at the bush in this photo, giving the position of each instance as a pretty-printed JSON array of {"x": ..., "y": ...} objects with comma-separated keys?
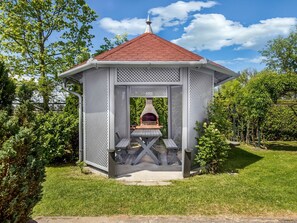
[
  {"x": 7, "y": 89},
  {"x": 58, "y": 134},
  {"x": 212, "y": 148},
  {"x": 280, "y": 124},
  {"x": 21, "y": 172}
]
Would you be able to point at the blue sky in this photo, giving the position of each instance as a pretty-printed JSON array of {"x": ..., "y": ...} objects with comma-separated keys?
[{"x": 230, "y": 32}]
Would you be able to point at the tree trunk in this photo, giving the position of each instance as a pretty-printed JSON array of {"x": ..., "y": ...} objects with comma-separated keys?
[
  {"x": 253, "y": 135},
  {"x": 247, "y": 135},
  {"x": 44, "y": 82},
  {"x": 234, "y": 124},
  {"x": 242, "y": 131},
  {"x": 258, "y": 134}
]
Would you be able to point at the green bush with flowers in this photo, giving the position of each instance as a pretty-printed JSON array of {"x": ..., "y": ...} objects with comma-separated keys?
[{"x": 212, "y": 148}]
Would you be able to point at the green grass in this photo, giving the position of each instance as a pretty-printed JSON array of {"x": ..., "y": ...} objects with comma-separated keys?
[{"x": 255, "y": 183}]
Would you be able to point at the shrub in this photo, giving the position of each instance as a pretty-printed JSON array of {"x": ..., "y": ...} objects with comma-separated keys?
[
  {"x": 280, "y": 124},
  {"x": 58, "y": 134},
  {"x": 21, "y": 173},
  {"x": 212, "y": 148},
  {"x": 7, "y": 89}
]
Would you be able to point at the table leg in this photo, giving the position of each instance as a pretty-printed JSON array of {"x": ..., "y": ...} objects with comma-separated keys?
[{"x": 146, "y": 149}]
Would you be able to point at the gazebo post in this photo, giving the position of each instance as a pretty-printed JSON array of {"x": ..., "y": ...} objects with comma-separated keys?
[
  {"x": 111, "y": 150},
  {"x": 184, "y": 76},
  {"x": 111, "y": 163},
  {"x": 169, "y": 119}
]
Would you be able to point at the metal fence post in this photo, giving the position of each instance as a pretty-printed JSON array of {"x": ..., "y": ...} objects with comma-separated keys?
[
  {"x": 111, "y": 163},
  {"x": 187, "y": 163}
]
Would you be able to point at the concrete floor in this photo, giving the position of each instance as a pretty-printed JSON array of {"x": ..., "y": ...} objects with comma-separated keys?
[{"x": 146, "y": 172}]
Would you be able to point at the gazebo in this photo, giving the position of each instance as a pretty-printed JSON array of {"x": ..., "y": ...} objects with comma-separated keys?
[{"x": 147, "y": 66}]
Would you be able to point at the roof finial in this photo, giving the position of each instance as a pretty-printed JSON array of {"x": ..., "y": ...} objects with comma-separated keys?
[{"x": 148, "y": 26}]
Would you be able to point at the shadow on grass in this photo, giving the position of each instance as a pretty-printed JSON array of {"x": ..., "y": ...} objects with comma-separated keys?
[
  {"x": 58, "y": 165},
  {"x": 282, "y": 146},
  {"x": 239, "y": 159}
]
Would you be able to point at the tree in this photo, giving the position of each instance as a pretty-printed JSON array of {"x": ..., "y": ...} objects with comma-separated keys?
[
  {"x": 281, "y": 54},
  {"x": 41, "y": 38},
  {"x": 21, "y": 175},
  {"x": 242, "y": 107},
  {"x": 110, "y": 44},
  {"x": 72, "y": 102},
  {"x": 7, "y": 88},
  {"x": 22, "y": 168}
]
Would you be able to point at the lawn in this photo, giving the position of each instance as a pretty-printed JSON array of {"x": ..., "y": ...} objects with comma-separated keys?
[{"x": 255, "y": 183}]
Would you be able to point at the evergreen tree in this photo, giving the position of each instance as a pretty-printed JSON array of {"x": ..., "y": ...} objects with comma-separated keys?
[{"x": 7, "y": 89}]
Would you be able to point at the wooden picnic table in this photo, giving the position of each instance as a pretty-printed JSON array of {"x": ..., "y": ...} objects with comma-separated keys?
[{"x": 146, "y": 138}]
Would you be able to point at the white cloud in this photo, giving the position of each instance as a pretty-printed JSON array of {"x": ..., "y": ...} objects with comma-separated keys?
[
  {"x": 214, "y": 31},
  {"x": 241, "y": 63},
  {"x": 257, "y": 59},
  {"x": 238, "y": 60},
  {"x": 172, "y": 15},
  {"x": 177, "y": 13},
  {"x": 132, "y": 26}
]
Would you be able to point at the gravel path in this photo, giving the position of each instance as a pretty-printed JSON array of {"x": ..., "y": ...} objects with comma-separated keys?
[{"x": 162, "y": 219}]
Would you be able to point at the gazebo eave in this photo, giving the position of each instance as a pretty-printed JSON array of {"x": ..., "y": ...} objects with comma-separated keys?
[{"x": 98, "y": 64}]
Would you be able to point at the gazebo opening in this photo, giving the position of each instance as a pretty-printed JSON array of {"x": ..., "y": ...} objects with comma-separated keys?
[{"x": 154, "y": 114}]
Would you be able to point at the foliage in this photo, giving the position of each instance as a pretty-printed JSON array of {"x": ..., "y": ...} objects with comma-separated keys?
[
  {"x": 21, "y": 167},
  {"x": 21, "y": 172},
  {"x": 136, "y": 108},
  {"x": 280, "y": 123},
  {"x": 82, "y": 166},
  {"x": 7, "y": 89},
  {"x": 212, "y": 148},
  {"x": 58, "y": 133},
  {"x": 71, "y": 106},
  {"x": 258, "y": 183},
  {"x": 110, "y": 44},
  {"x": 9, "y": 126},
  {"x": 281, "y": 53},
  {"x": 219, "y": 114},
  {"x": 161, "y": 106},
  {"x": 25, "y": 90},
  {"x": 42, "y": 38},
  {"x": 240, "y": 107}
]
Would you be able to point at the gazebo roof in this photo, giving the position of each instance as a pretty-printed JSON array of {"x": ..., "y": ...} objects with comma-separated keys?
[{"x": 148, "y": 47}]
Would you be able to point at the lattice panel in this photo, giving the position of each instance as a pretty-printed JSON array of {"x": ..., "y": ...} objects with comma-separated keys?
[
  {"x": 121, "y": 122},
  {"x": 200, "y": 94},
  {"x": 148, "y": 75},
  {"x": 176, "y": 114},
  {"x": 96, "y": 96}
]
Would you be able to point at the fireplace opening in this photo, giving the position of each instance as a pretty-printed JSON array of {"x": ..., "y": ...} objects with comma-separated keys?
[{"x": 149, "y": 119}]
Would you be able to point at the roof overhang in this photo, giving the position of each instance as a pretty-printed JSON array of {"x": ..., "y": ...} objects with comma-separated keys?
[
  {"x": 221, "y": 74},
  {"x": 219, "y": 71},
  {"x": 99, "y": 64}
]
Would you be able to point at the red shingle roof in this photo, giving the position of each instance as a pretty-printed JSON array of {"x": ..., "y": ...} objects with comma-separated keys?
[
  {"x": 153, "y": 49},
  {"x": 148, "y": 47}
]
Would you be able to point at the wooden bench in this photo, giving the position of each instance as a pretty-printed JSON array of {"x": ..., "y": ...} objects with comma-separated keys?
[
  {"x": 233, "y": 143},
  {"x": 121, "y": 149},
  {"x": 123, "y": 144},
  {"x": 172, "y": 149}
]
